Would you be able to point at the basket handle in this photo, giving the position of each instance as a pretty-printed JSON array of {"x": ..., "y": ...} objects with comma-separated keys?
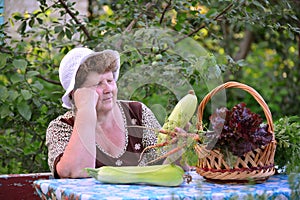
[{"x": 233, "y": 84}]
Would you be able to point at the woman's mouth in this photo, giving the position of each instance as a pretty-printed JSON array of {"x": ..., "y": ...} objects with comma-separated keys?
[{"x": 107, "y": 99}]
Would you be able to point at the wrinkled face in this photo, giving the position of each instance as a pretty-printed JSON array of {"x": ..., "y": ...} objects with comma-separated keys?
[{"x": 106, "y": 88}]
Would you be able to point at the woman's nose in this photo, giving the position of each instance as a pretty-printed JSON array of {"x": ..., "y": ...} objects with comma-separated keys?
[
  {"x": 104, "y": 87},
  {"x": 107, "y": 87}
]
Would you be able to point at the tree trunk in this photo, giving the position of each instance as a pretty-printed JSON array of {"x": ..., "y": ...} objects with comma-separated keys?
[{"x": 245, "y": 46}]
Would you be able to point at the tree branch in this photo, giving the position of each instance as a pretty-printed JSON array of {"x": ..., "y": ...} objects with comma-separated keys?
[
  {"x": 298, "y": 45},
  {"x": 48, "y": 80},
  {"x": 203, "y": 25},
  {"x": 244, "y": 46},
  {"x": 134, "y": 21},
  {"x": 4, "y": 50},
  {"x": 82, "y": 27},
  {"x": 164, "y": 11}
]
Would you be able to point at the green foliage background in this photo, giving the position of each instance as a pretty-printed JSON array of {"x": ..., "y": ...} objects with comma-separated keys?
[{"x": 254, "y": 42}]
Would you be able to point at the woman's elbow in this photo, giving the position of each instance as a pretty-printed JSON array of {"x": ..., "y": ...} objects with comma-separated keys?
[{"x": 71, "y": 172}]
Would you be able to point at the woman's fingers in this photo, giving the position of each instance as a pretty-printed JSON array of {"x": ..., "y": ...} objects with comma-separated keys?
[{"x": 86, "y": 97}]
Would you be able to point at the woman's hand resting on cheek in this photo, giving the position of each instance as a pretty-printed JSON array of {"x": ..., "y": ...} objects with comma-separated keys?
[{"x": 86, "y": 98}]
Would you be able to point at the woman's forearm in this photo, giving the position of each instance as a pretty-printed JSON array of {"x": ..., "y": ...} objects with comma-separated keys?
[{"x": 81, "y": 150}]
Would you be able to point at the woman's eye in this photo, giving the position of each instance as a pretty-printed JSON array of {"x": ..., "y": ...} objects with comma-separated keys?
[{"x": 108, "y": 81}]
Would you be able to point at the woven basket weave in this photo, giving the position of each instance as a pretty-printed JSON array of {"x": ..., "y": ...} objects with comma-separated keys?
[{"x": 256, "y": 165}]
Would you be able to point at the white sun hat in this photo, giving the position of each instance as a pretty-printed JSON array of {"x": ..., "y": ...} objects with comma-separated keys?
[
  {"x": 70, "y": 65},
  {"x": 67, "y": 71}
]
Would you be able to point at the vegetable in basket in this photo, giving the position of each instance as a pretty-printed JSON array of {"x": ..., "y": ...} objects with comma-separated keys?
[
  {"x": 238, "y": 130},
  {"x": 241, "y": 147},
  {"x": 180, "y": 115},
  {"x": 179, "y": 118}
]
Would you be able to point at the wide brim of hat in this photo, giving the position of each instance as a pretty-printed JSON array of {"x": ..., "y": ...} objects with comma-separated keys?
[{"x": 66, "y": 97}]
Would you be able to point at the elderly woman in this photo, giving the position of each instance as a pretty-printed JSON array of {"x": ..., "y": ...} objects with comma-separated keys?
[{"x": 98, "y": 129}]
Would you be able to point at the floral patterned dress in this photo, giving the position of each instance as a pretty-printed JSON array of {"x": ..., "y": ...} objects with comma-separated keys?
[{"x": 134, "y": 114}]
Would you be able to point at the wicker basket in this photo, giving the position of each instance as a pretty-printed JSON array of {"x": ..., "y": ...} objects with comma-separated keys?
[{"x": 256, "y": 165}]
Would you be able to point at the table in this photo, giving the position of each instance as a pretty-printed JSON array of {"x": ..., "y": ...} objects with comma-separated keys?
[{"x": 276, "y": 187}]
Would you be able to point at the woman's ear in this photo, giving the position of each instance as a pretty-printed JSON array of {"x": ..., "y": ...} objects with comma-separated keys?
[{"x": 71, "y": 95}]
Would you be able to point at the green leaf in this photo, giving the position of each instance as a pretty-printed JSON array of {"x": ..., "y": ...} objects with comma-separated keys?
[
  {"x": 11, "y": 21},
  {"x": 178, "y": 27},
  {"x": 38, "y": 85},
  {"x": 24, "y": 110},
  {"x": 258, "y": 4},
  {"x": 69, "y": 34},
  {"x": 20, "y": 64},
  {"x": 27, "y": 150},
  {"x": 40, "y": 20},
  {"x": 32, "y": 73},
  {"x": 211, "y": 12},
  {"x": 4, "y": 111},
  {"x": 37, "y": 102},
  {"x": 58, "y": 29},
  {"x": 61, "y": 35},
  {"x": 26, "y": 94},
  {"x": 31, "y": 22},
  {"x": 16, "y": 78},
  {"x": 111, "y": 25},
  {"x": 3, "y": 59},
  {"x": 17, "y": 16},
  {"x": 4, "y": 79},
  {"x": 44, "y": 109},
  {"x": 3, "y": 93},
  {"x": 22, "y": 27},
  {"x": 13, "y": 95}
]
